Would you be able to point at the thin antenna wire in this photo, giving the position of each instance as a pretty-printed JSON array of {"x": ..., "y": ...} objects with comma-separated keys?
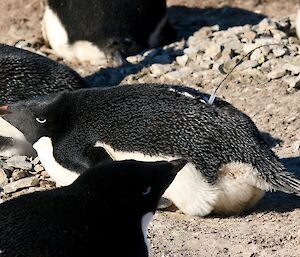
[{"x": 214, "y": 91}]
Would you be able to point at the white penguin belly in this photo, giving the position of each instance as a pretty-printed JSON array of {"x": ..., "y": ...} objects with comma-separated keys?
[
  {"x": 20, "y": 145},
  {"x": 57, "y": 37},
  {"x": 298, "y": 22},
  {"x": 193, "y": 195},
  {"x": 240, "y": 188},
  {"x": 57, "y": 172}
]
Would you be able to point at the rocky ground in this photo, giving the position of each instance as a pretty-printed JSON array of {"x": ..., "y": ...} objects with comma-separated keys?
[{"x": 213, "y": 38}]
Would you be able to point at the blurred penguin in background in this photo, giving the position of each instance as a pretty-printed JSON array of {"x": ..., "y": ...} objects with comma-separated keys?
[
  {"x": 298, "y": 20},
  {"x": 102, "y": 32}
]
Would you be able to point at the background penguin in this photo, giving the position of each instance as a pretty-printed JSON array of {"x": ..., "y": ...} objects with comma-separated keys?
[
  {"x": 297, "y": 21},
  {"x": 229, "y": 164},
  {"x": 105, "y": 212},
  {"x": 24, "y": 74},
  {"x": 99, "y": 31}
]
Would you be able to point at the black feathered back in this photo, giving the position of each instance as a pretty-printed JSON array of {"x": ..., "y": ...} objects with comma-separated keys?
[{"x": 24, "y": 75}]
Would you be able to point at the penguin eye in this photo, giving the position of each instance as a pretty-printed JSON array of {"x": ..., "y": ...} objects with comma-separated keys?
[
  {"x": 147, "y": 190},
  {"x": 41, "y": 120}
]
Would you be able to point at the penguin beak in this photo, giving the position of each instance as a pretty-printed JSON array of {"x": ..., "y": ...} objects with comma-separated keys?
[{"x": 4, "y": 110}]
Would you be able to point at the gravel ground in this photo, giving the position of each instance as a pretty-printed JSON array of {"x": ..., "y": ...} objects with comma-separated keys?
[{"x": 213, "y": 37}]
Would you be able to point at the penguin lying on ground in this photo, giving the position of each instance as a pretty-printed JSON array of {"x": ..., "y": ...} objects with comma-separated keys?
[
  {"x": 100, "y": 31},
  {"x": 105, "y": 212},
  {"x": 24, "y": 74},
  {"x": 229, "y": 164}
]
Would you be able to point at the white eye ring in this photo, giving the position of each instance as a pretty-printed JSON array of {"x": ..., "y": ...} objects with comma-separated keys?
[
  {"x": 40, "y": 120},
  {"x": 147, "y": 191}
]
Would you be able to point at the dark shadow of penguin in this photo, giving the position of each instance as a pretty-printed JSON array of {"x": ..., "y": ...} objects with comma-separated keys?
[
  {"x": 24, "y": 75},
  {"x": 102, "y": 31},
  {"x": 105, "y": 212},
  {"x": 229, "y": 164}
]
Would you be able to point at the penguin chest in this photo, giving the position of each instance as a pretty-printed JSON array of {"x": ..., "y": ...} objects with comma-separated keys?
[
  {"x": 56, "y": 171},
  {"x": 13, "y": 141}
]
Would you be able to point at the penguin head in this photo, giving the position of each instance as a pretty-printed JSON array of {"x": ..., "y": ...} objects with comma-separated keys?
[
  {"x": 131, "y": 185},
  {"x": 35, "y": 118}
]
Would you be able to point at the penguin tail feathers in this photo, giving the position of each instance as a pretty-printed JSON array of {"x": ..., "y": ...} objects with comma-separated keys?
[
  {"x": 275, "y": 177},
  {"x": 286, "y": 182},
  {"x": 278, "y": 178}
]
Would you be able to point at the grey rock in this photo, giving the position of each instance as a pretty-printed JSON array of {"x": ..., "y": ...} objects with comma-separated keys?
[
  {"x": 173, "y": 75},
  {"x": 279, "y": 52},
  {"x": 35, "y": 161},
  {"x": 18, "y": 174},
  {"x": 134, "y": 59},
  {"x": 279, "y": 35},
  {"x": 7, "y": 167},
  {"x": 249, "y": 35},
  {"x": 248, "y": 64},
  {"x": 20, "y": 184},
  {"x": 213, "y": 52},
  {"x": 266, "y": 24},
  {"x": 248, "y": 47},
  {"x": 293, "y": 40},
  {"x": 3, "y": 178},
  {"x": 45, "y": 174},
  {"x": 19, "y": 162},
  {"x": 159, "y": 69},
  {"x": 265, "y": 50},
  {"x": 206, "y": 64},
  {"x": 257, "y": 75},
  {"x": 276, "y": 73},
  {"x": 179, "y": 74},
  {"x": 38, "y": 168},
  {"x": 256, "y": 55},
  {"x": 229, "y": 65},
  {"x": 294, "y": 69},
  {"x": 293, "y": 81},
  {"x": 191, "y": 52},
  {"x": 182, "y": 60}
]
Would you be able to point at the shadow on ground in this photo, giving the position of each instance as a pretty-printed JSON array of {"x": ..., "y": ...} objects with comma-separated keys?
[
  {"x": 189, "y": 20},
  {"x": 278, "y": 201},
  {"x": 186, "y": 21}
]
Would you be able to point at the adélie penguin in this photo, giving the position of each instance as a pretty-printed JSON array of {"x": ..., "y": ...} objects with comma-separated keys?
[
  {"x": 104, "y": 31},
  {"x": 229, "y": 164},
  {"x": 105, "y": 212},
  {"x": 23, "y": 75}
]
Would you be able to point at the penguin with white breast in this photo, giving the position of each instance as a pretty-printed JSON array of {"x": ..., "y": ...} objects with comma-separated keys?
[
  {"x": 229, "y": 164},
  {"x": 105, "y": 212},
  {"x": 103, "y": 31},
  {"x": 24, "y": 75}
]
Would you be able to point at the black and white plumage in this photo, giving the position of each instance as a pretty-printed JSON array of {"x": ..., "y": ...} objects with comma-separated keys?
[
  {"x": 105, "y": 212},
  {"x": 229, "y": 164},
  {"x": 24, "y": 75},
  {"x": 101, "y": 31}
]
